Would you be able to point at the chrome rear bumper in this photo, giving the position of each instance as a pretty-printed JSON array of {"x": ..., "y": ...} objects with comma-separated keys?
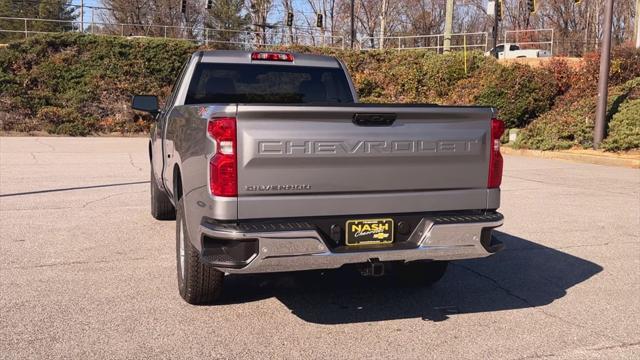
[{"x": 305, "y": 249}]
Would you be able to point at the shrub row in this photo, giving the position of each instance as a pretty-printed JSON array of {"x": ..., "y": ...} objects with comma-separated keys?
[
  {"x": 81, "y": 84},
  {"x": 570, "y": 124}
]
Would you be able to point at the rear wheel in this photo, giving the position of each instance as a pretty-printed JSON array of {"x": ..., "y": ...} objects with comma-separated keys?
[
  {"x": 161, "y": 206},
  {"x": 422, "y": 273},
  {"x": 198, "y": 282}
]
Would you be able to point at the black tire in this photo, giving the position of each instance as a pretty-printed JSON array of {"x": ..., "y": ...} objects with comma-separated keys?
[
  {"x": 421, "y": 273},
  {"x": 161, "y": 206},
  {"x": 199, "y": 283}
]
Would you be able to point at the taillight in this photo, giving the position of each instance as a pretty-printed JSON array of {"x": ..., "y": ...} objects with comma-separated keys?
[
  {"x": 223, "y": 169},
  {"x": 495, "y": 157},
  {"x": 271, "y": 56}
]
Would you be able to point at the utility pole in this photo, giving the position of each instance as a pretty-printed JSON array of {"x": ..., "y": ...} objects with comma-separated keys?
[
  {"x": 603, "y": 78},
  {"x": 353, "y": 28},
  {"x": 597, "y": 24},
  {"x": 81, "y": 15},
  {"x": 637, "y": 24},
  {"x": 383, "y": 16},
  {"x": 497, "y": 17},
  {"x": 289, "y": 20},
  {"x": 324, "y": 21},
  {"x": 448, "y": 25},
  {"x": 585, "y": 48}
]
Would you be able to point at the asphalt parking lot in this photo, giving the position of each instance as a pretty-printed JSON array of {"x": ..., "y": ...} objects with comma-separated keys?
[{"x": 85, "y": 272}]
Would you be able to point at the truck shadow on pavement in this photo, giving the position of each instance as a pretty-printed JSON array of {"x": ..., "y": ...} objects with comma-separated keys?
[{"x": 524, "y": 275}]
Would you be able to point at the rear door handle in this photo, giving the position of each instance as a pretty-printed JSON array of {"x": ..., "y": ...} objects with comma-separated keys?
[{"x": 380, "y": 119}]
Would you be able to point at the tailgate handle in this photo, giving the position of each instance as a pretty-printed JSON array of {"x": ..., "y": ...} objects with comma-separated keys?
[{"x": 374, "y": 119}]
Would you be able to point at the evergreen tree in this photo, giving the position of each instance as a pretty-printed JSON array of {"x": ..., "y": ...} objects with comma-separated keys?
[
  {"x": 58, "y": 10},
  {"x": 227, "y": 15},
  {"x": 38, "y": 9}
]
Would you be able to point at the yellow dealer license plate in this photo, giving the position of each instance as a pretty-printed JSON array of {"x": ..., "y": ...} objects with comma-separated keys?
[{"x": 369, "y": 232}]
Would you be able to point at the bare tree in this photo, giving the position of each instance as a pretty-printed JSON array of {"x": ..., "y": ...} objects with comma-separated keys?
[
  {"x": 259, "y": 11},
  {"x": 155, "y": 17},
  {"x": 576, "y": 26}
]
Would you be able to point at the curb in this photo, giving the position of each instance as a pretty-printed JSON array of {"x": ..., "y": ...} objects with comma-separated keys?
[{"x": 583, "y": 156}]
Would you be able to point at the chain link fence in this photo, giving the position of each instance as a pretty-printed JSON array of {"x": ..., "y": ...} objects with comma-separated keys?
[
  {"x": 12, "y": 28},
  {"x": 435, "y": 42}
]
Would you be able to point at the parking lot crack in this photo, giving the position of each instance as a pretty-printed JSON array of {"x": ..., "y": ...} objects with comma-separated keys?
[
  {"x": 497, "y": 284},
  {"x": 594, "y": 349},
  {"x": 51, "y": 147},
  {"x": 563, "y": 185},
  {"x": 573, "y": 246},
  {"x": 39, "y": 208},
  {"x": 110, "y": 196},
  {"x": 79, "y": 262},
  {"x": 133, "y": 164},
  {"x": 538, "y": 356},
  {"x": 533, "y": 306},
  {"x": 620, "y": 346},
  {"x": 594, "y": 245}
]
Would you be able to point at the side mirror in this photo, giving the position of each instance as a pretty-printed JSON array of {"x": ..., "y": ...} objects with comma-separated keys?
[{"x": 146, "y": 103}]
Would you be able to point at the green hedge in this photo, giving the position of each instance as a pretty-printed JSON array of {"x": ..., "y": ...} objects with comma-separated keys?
[
  {"x": 570, "y": 123},
  {"x": 519, "y": 92},
  {"x": 624, "y": 127},
  {"x": 81, "y": 84},
  {"x": 78, "y": 84}
]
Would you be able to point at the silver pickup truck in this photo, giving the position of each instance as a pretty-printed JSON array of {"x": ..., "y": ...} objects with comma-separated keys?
[{"x": 268, "y": 163}]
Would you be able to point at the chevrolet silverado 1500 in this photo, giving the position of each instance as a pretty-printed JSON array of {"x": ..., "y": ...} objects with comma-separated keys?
[{"x": 268, "y": 163}]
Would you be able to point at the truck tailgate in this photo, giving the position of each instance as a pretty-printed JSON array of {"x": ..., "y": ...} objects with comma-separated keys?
[{"x": 297, "y": 150}]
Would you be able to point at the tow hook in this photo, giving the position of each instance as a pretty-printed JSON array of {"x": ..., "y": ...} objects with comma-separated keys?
[{"x": 373, "y": 268}]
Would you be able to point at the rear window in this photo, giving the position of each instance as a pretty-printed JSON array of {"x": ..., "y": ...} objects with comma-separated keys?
[{"x": 252, "y": 83}]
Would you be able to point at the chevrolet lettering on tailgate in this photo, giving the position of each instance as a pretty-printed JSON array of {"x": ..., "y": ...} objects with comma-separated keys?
[{"x": 327, "y": 147}]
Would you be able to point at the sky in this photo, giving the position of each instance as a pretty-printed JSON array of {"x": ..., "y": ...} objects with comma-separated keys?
[
  {"x": 277, "y": 14},
  {"x": 87, "y": 11}
]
